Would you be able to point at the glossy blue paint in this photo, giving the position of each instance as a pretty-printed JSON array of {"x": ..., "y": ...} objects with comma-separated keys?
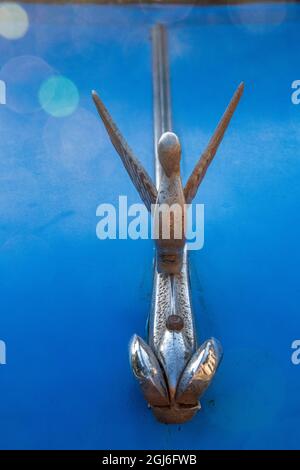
[{"x": 70, "y": 303}]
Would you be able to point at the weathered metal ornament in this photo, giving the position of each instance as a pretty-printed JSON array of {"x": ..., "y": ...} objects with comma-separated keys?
[{"x": 172, "y": 371}]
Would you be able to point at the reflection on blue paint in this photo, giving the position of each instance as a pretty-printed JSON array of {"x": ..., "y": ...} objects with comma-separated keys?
[
  {"x": 70, "y": 303},
  {"x": 2, "y": 352},
  {"x": 2, "y": 92}
]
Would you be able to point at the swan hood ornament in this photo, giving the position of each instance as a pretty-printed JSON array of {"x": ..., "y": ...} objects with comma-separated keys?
[
  {"x": 172, "y": 371},
  {"x": 169, "y": 250}
]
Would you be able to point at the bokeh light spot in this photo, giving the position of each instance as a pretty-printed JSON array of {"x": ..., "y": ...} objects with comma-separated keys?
[
  {"x": 23, "y": 76},
  {"x": 257, "y": 19},
  {"x": 14, "y": 21},
  {"x": 58, "y": 96}
]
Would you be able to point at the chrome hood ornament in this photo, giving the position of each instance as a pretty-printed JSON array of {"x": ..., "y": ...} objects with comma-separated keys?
[
  {"x": 170, "y": 190},
  {"x": 172, "y": 371}
]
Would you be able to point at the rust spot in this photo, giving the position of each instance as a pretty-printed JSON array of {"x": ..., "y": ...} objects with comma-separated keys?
[{"x": 174, "y": 323}]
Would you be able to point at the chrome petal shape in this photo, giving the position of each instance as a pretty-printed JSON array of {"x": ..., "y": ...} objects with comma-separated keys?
[
  {"x": 148, "y": 372},
  {"x": 199, "y": 372}
]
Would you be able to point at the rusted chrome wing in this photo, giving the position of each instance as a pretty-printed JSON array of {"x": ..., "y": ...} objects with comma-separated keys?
[{"x": 134, "y": 168}]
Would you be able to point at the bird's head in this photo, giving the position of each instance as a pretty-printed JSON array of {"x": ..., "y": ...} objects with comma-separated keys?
[{"x": 169, "y": 153}]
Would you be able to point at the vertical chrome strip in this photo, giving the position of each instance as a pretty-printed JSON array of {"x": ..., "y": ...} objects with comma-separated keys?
[
  {"x": 161, "y": 89},
  {"x": 171, "y": 294}
]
